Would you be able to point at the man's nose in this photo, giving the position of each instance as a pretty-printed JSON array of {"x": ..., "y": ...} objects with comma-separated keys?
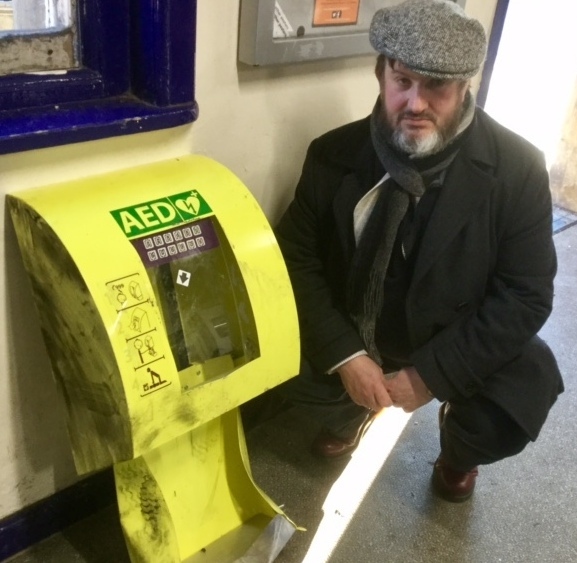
[{"x": 416, "y": 102}]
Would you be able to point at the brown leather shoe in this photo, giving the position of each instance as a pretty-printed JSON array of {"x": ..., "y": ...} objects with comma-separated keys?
[
  {"x": 451, "y": 484},
  {"x": 330, "y": 446}
]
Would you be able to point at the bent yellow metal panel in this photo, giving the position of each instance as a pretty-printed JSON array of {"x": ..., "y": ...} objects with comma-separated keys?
[{"x": 194, "y": 497}]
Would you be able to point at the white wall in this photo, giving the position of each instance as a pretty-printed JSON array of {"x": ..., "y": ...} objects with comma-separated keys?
[{"x": 256, "y": 121}]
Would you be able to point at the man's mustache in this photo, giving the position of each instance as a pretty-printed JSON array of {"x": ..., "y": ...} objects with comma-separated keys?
[{"x": 412, "y": 115}]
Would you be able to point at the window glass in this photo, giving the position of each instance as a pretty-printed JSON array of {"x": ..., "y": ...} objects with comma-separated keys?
[
  {"x": 37, "y": 35},
  {"x": 34, "y": 15},
  {"x": 204, "y": 301}
]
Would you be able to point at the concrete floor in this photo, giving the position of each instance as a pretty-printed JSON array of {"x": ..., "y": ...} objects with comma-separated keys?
[{"x": 524, "y": 509}]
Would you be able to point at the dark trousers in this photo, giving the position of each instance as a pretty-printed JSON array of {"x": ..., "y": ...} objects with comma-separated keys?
[
  {"x": 323, "y": 398},
  {"x": 475, "y": 431}
]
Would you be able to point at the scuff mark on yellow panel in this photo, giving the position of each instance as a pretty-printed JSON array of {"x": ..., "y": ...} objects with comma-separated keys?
[{"x": 78, "y": 346}]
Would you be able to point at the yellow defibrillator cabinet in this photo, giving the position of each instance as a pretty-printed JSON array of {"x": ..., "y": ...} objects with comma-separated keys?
[{"x": 164, "y": 304}]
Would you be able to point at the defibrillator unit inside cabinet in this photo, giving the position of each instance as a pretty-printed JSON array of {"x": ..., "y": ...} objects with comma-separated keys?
[{"x": 276, "y": 32}]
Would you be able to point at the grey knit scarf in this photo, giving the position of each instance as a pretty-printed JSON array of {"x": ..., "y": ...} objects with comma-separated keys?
[{"x": 373, "y": 253}]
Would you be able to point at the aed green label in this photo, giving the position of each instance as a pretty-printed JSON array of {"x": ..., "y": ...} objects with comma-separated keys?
[{"x": 151, "y": 216}]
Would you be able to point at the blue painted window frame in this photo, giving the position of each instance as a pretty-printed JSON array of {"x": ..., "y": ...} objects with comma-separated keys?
[
  {"x": 136, "y": 74},
  {"x": 492, "y": 50}
]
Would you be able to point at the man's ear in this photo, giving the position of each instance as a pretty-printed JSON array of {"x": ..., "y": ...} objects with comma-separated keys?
[{"x": 466, "y": 88}]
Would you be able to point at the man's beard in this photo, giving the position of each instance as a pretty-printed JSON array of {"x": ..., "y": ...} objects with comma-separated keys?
[{"x": 432, "y": 143}]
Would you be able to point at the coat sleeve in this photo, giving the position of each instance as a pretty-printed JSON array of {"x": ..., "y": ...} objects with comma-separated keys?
[
  {"x": 305, "y": 235},
  {"x": 461, "y": 358}
]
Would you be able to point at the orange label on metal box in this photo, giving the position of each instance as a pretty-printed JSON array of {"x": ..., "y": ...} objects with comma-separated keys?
[{"x": 336, "y": 12}]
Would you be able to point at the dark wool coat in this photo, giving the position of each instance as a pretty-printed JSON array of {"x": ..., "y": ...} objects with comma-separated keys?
[{"x": 482, "y": 285}]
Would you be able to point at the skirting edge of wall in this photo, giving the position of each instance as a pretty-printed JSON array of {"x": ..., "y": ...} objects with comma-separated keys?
[{"x": 53, "y": 514}]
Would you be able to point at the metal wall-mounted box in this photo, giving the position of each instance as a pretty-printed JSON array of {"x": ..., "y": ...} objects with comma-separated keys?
[{"x": 287, "y": 31}]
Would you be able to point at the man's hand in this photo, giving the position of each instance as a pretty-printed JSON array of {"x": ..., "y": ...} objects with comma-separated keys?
[
  {"x": 365, "y": 383},
  {"x": 407, "y": 390}
]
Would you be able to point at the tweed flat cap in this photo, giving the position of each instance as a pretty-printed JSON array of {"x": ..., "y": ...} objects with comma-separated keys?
[{"x": 431, "y": 37}]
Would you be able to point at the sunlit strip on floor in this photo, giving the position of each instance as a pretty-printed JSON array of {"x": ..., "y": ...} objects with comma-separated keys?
[{"x": 350, "y": 488}]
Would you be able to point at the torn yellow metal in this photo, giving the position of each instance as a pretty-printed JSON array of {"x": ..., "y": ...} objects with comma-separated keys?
[
  {"x": 165, "y": 304},
  {"x": 197, "y": 501}
]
